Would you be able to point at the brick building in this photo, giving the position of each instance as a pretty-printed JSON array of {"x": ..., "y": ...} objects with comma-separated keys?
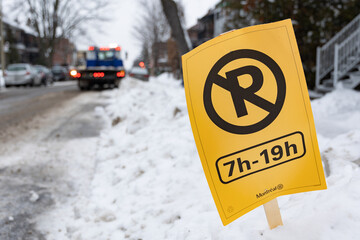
[
  {"x": 65, "y": 53},
  {"x": 21, "y": 46},
  {"x": 20, "y": 43}
]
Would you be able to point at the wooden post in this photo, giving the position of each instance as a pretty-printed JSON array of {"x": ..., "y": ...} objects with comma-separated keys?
[{"x": 272, "y": 212}]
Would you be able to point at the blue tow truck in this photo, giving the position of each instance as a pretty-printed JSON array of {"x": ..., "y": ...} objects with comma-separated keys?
[{"x": 104, "y": 67}]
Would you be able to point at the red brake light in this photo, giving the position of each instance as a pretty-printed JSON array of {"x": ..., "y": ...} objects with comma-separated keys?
[
  {"x": 142, "y": 64},
  {"x": 27, "y": 73},
  {"x": 78, "y": 75},
  {"x": 98, "y": 74},
  {"x": 104, "y": 49},
  {"x": 120, "y": 74},
  {"x": 91, "y": 48},
  {"x": 118, "y": 48}
]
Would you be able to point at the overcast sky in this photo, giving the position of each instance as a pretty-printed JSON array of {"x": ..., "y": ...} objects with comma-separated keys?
[{"x": 123, "y": 14}]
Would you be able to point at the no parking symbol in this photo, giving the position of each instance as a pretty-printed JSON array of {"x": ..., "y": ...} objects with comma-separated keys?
[
  {"x": 240, "y": 94},
  {"x": 251, "y": 117}
]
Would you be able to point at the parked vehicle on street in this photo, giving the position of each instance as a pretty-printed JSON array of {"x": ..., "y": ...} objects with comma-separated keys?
[
  {"x": 139, "y": 73},
  {"x": 104, "y": 67},
  {"x": 21, "y": 74},
  {"x": 45, "y": 75},
  {"x": 60, "y": 73},
  {"x": 2, "y": 80}
]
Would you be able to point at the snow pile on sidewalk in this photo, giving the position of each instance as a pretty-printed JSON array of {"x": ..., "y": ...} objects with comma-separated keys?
[
  {"x": 149, "y": 183},
  {"x": 337, "y": 117}
]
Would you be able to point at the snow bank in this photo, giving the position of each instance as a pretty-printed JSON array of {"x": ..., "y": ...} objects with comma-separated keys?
[
  {"x": 337, "y": 112},
  {"x": 149, "y": 183}
]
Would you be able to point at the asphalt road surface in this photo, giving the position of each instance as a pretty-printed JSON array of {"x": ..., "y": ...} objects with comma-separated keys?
[
  {"x": 18, "y": 105},
  {"x": 41, "y": 131}
]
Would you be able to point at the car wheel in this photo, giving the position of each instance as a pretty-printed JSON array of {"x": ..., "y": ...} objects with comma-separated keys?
[
  {"x": 31, "y": 84},
  {"x": 83, "y": 85},
  {"x": 47, "y": 81},
  {"x": 117, "y": 83}
]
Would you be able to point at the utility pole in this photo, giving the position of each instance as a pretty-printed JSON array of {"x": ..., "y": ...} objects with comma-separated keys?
[{"x": 2, "y": 51}]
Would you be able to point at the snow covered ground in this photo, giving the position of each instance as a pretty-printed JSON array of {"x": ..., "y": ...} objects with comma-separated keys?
[
  {"x": 47, "y": 158},
  {"x": 148, "y": 182}
]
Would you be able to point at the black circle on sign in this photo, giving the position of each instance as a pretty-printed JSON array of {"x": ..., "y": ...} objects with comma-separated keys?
[{"x": 274, "y": 109}]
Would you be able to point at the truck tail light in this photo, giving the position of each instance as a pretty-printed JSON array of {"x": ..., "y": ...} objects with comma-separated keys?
[
  {"x": 78, "y": 75},
  {"x": 91, "y": 48},
  {"x": 73, "y": 73},
  {"x": 27, "y": 73},
  {"x": 120, "y": 74},
  {"x": 98, "y": 74}
]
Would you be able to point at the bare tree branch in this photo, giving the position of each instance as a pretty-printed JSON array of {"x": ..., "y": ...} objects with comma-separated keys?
[
  {"x": 151, "y": 29},
  {"x": 53, "y": 20}
]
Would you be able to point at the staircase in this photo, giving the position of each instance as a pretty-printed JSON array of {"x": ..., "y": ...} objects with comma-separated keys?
[{"x": 339, "y": 59}]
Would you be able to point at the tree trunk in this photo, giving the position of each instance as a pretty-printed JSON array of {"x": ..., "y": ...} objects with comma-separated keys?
[{"x": 171, "y": 12}]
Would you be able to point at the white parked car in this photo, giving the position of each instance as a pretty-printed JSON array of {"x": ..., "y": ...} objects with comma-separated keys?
[
  {"x": 139, "y": 73},
  {"x": 2, "y": 80},
  {"x": 21, "y": 74}
]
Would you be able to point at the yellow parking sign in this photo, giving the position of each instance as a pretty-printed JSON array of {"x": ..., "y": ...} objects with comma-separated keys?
[{"x": 251, "y": 117}]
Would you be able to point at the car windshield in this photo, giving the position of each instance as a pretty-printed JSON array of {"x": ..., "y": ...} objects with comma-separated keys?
[
  {"x": 17, "y": 67},
  {"x": 106, "y": 55},
  {"x": 38, "y": 68},
  {"x": 138, "y": 70},
  {"x": 57, "y": 68}
]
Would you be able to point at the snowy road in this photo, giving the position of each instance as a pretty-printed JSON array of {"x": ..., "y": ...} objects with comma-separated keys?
[
  {"x": 46, "y": 133},
  {"x": 19, "y": 105}
]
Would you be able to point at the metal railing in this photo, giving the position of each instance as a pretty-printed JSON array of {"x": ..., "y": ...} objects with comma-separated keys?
[
  {"x": 347, "y": 55},
  {"x": 326, "y": 54}
]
